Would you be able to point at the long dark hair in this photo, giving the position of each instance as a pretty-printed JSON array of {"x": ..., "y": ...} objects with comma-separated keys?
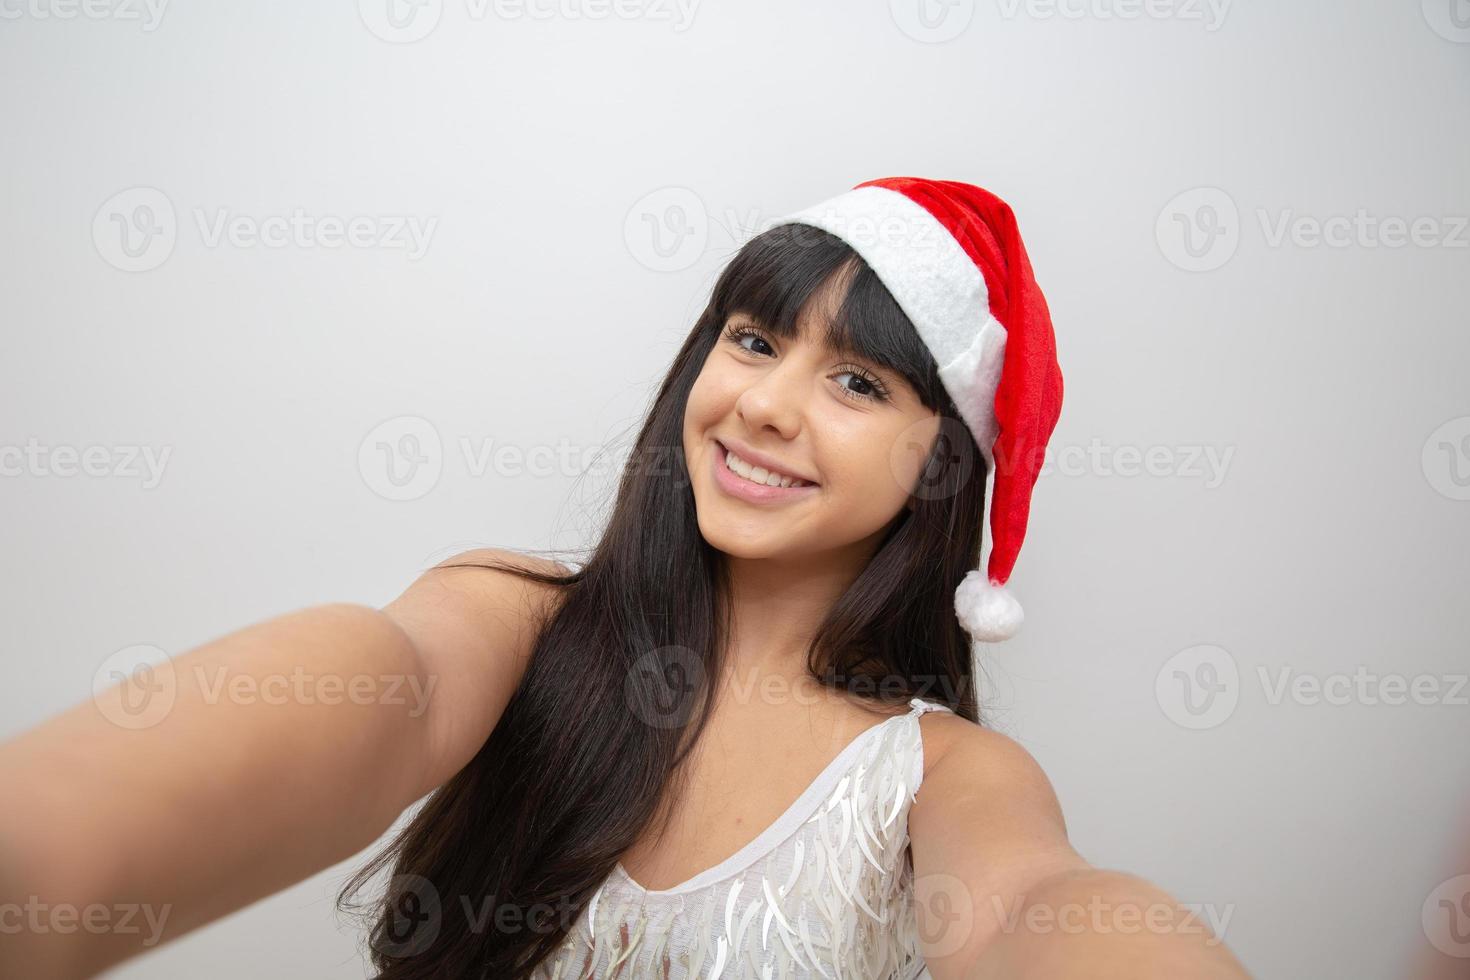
[{"x": 496, "y": 866}]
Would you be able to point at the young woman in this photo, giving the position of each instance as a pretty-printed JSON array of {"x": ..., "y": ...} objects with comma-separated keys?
[{"x": 741, "y": 741}]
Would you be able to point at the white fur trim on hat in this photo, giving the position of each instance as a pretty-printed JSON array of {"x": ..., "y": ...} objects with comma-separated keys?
[{"x": 936, "y": 284}]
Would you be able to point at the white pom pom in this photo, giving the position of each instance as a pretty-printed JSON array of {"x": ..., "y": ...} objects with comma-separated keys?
[{"x": 988, "y": 612}]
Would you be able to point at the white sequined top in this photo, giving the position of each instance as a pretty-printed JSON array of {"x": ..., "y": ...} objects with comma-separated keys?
[{"x": 823, "y": 892}]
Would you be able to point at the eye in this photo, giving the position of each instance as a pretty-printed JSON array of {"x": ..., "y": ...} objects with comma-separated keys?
[
  {"x": 875, "y": 391},
  {"x": 736, "y": 334},
  {"x": 871, "y": 388}
]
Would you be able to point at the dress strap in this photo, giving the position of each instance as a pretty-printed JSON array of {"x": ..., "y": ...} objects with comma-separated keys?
[
  {"x": 916, "y": 770},
  {"x": 920, "y": 706}
]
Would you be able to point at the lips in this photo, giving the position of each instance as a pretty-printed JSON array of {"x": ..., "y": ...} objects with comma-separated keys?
[
  {"x": 754, "y": 458},
  {"x": 738, "y": 486}
]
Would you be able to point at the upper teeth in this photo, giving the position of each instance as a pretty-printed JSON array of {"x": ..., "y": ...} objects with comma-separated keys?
[{"x": 759, "y": 474}]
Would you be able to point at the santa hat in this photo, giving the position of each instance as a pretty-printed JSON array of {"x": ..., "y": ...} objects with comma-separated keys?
[{"x": 951, "y": 255}]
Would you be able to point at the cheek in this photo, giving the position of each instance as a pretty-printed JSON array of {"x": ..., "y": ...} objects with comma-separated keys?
[
  {"x": 877, "y": 468},
  {"x": 702, "y": 408}
]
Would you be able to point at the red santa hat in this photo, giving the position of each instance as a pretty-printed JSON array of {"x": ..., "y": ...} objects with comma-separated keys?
[{"x": 951, "y": 255}]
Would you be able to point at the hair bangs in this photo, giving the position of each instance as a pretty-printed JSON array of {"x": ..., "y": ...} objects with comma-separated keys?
[{"x": 779, "y": 273}]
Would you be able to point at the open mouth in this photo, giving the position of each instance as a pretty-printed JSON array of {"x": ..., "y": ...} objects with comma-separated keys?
[
  {"x": 737, "y": 479},
  {"x": 758, "y": 475}
]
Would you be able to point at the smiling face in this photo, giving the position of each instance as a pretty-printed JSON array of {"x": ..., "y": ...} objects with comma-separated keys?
[{"x": 855, "y": 429}]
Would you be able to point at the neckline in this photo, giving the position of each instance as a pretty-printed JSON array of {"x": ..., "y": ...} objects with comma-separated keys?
[{"x": 761, "y": 843}]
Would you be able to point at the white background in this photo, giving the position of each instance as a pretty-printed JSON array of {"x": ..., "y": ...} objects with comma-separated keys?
[{"x": 1331, "y": 379}]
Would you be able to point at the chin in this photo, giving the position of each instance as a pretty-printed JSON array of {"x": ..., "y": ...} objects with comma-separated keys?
[{"x": 746, "y": 536}]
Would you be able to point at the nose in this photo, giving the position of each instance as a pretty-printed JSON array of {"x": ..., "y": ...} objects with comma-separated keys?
[{"x": 777, "y": 399}]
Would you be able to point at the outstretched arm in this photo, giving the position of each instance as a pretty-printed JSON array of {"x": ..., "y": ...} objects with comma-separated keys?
[
  {"x": 288, "y": 746},
  {"x": 1002, "y": 895}
]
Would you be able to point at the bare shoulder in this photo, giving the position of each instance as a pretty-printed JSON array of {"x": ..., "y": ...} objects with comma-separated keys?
[
  {"x": 491, "y": 559},
  {"x": 474, "y": 622},
  {"x": 477, "y": 601},
  {"x": 987, "y": 831},
  {"x": 482, "y": 581},
  {"x": 963, "y": 760}
]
